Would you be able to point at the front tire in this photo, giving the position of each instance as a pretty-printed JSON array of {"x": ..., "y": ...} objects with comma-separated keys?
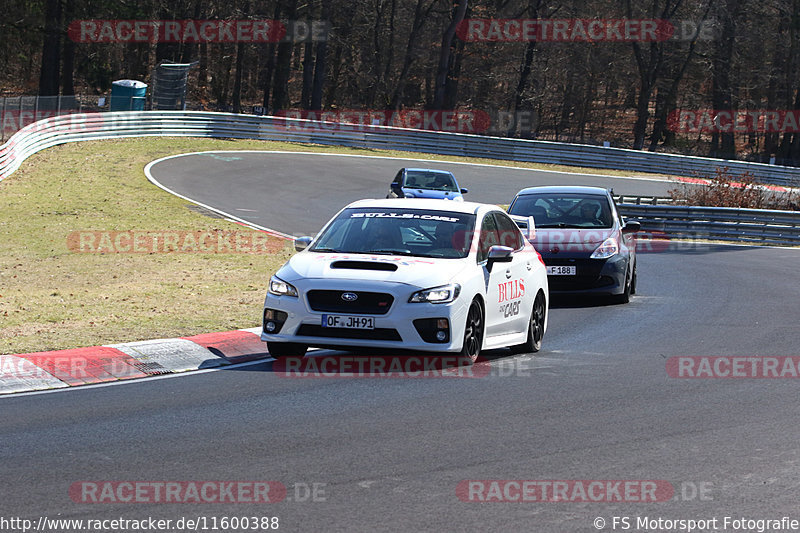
[
  {"x": 535, "y": 327},
  {"x": 625, "y": 297},
  {"x": 286, "y": 349},
  {"x": 473, "y": 335}
]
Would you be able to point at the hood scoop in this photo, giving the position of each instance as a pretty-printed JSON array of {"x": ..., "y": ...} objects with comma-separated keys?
[{"x": 365, "y": 265}]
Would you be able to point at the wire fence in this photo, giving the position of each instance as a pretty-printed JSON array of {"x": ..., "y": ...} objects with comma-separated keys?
[{"x": 16, "y": 112}]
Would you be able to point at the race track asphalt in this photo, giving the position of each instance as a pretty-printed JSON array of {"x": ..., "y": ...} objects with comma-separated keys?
[{"x": 597, "y": 403}]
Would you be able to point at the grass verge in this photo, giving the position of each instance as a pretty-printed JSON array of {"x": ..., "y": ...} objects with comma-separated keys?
[{"x": 53, "y": 298}]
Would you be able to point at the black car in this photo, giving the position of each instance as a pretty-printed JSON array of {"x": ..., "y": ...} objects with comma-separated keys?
[{"x": 587, "y": 246}]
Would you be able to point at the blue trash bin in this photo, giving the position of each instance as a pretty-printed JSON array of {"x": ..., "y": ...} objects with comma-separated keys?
[{"x": 128, "y": 95}]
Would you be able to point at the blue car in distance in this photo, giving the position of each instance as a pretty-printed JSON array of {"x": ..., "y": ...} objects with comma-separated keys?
[{"x": 426, "y": 183}]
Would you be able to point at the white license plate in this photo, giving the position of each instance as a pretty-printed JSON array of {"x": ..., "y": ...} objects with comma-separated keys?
[
  {"x": 350, "y": 322},
  {"x": 558, "y": 270}
]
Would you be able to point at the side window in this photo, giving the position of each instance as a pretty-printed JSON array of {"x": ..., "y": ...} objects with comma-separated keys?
[
  {"x": 488, "y": 237},
  {"x": 508, "y": 232}
]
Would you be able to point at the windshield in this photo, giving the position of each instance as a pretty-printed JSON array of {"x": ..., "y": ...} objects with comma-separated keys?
[
  {"x": 436, "y": 181},
  {"x": 398, "y": 231},
  {"x": 557, "y": 210}
]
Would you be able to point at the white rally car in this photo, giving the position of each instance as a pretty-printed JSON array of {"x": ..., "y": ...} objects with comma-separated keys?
[{"x": 417, "y": 274}]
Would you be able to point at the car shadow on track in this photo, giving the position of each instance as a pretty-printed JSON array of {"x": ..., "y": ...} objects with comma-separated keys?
[
  {"x": 572, "y": 301},
  {"x": 369, "y": 362}
]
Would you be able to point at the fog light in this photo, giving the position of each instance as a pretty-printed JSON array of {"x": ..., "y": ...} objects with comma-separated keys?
[
  {"x": 274, "y": 320},
  {"x": 433, "y": 329}
]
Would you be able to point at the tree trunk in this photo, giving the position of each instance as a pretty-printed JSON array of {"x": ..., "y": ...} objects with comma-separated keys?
[
  {"x": 722, "y": 143},
  {"x": 241, "y": 51},
  {"x": 451, "y": 85},
  {"x": 308, "y": 75},
  {"x": 321, "y": 60},
  {"x": 649, "y": 64},
  {"x": 51, "y": 54},
  {"x": 202, "y": 70},
  {"x": 787, "y": 150},
  {"x": 446, "y": 54},
  {"x": 280, "y": 86},
  {"x": 269, "y": 69},
  {"x": 237, "y": 80},
  {"x": 420, "y": 14},
  {"x": 642, "y": 109},
  {"x": 668, "y": 102},
  {"x": 68, "y": 57}
]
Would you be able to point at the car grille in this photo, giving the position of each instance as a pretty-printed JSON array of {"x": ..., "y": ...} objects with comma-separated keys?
[
  {"x": 587, "y": 277},
  {"x": 367, "y": 303},
  {"x": 578, "y": 283},
  {"x": 377, "y": 334}
]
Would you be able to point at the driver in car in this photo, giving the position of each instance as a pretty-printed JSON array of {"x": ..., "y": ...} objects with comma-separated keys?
[
  {"x": 383, "y": 236},
  {"x": 589, "y": 212}
]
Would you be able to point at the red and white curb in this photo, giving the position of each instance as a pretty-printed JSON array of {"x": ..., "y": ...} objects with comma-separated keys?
[{"x": 101, "y": 364}]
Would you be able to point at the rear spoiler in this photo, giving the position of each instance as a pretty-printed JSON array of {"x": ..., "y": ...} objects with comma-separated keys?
[{"x": 525, "y": 224}]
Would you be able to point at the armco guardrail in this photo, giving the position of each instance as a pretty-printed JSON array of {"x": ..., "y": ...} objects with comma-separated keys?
[
  {"x": 647, "y": 200},
  {"x": 69, "y": 128},
  {"x": 772, "y": 227},
  {"x": 717, "y": 223}
]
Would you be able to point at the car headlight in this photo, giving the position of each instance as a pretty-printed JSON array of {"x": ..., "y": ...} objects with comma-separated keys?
[
  {"x": 278, "y": 287},
  {"x": 609, "y": 247},
  {"x": 437, "y": 295}
]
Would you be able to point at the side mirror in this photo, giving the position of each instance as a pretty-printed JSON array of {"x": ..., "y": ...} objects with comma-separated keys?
[
  {"x": 526, "y": 225},
  {"x": 397, "y": 190},
  {"x": 498, "y": 254},
  {"x": 464, "y": 191},
  {"x": 631, "y": 227},
  {"x": 301, "y": 243}
]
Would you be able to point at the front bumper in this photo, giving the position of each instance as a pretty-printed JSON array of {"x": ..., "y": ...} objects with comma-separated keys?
[
  {"x": 403, "y": 326},
  {"x": 593, "y": 276}
]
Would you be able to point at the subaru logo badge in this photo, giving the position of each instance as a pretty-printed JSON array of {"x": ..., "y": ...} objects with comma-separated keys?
[{"x": 349, "y": 296}]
